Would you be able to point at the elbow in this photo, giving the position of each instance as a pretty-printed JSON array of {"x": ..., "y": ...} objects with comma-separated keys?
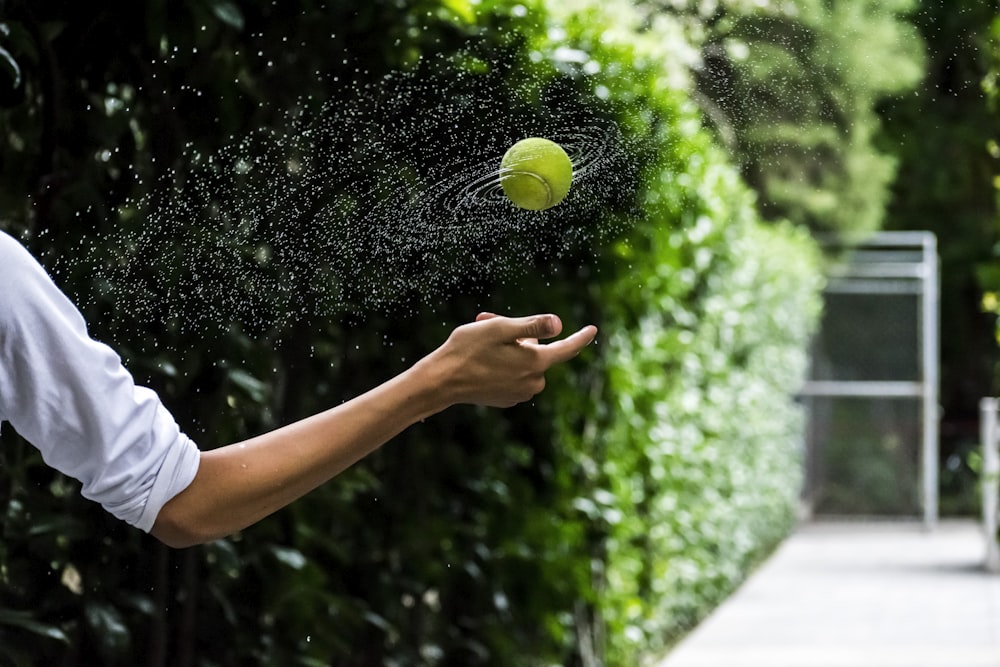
[
  {"x": 179, "y": 539},
  {"x": 179, "y": 530}
]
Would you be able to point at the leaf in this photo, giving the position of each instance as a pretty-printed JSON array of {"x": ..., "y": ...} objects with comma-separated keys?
[
  {"x": 463, "y": 9},
  {"x": 254, "y": 388},
  {"x": 25, "y": 621},
  {"x": 378, "y": 621},
  {"x": 293, "y": 558},
  {"x": 57, "y": 525},
  {"x": 228, "y": 13},
  {"x": 110, "y": 631},
  {"x": 9, "y": 69}
]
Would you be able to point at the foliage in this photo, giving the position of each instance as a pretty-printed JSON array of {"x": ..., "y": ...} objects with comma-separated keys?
[
  {"x": 989, "y": 273},
  {"x": 591, "y": 527},
  {"x": 942, "y": 135},
  {"x": 991, "y": 82},
  {"x": 855, "y": 115},
  {"x": 967, "y": 462},
  {"x": 793, "y": 89}
]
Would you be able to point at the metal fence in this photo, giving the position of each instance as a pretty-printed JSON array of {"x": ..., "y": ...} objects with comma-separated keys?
[
  {"x": 872, "y": 392},
  {"x": 990, "y": 475}
]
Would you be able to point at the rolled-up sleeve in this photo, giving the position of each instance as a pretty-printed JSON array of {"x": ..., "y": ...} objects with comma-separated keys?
[{"x": 70, "y": 396}]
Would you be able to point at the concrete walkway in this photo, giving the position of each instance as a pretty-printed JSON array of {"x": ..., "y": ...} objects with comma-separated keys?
[{"x": 859, "y": 595}]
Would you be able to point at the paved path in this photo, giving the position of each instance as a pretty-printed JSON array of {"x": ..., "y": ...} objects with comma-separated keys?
[{"x": 859, "y": 595}]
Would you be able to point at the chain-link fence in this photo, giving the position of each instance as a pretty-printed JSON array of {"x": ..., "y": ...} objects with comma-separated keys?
[{"x": 872, "y": 391}]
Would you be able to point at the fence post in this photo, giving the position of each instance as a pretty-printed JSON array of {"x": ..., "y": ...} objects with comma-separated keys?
[
  {"x": 929, "y": 375},
  {"x": 990, "y": 481},
  {"x": 930, "y": 360}
]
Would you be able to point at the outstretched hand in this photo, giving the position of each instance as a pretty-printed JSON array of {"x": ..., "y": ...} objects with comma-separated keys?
[
  {"x": 496, "y": 361},
  {"x": 499, "y": 361}
]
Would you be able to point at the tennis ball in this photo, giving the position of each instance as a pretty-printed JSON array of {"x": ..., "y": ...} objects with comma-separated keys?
[{"x": 536, "y": 173}]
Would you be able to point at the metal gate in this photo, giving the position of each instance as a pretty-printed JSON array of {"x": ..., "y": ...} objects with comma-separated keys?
[{"x": 872, "y": 391}]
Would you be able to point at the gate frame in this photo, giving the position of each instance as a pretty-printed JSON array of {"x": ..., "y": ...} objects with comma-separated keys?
[{"x": 868, "y": 278}]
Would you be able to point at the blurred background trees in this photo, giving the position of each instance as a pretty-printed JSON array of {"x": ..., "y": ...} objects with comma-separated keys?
[
  {"x": 592, "y": 527},
  {"x": 942, "y": 135},
  {"x": 849, "y": 117},
  {"x": 794, "y": 89}
]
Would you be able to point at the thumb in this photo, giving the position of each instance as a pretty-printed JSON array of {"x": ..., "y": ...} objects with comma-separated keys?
[{"x": 538, "y": 326}]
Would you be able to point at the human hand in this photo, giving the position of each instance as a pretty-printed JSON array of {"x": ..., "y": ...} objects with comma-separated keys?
[
  {"x": 494, "y": 361},
  {"x": 499, "y": 361}
]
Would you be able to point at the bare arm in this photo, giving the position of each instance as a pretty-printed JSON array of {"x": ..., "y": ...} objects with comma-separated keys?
[{"x": 496, "y": 361}]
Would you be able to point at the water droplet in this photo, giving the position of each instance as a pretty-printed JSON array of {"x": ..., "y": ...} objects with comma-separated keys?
[{"x": 277, "y": 225}]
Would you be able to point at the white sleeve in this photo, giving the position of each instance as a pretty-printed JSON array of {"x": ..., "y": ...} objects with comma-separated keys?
[{"x": 71, "y": 398}]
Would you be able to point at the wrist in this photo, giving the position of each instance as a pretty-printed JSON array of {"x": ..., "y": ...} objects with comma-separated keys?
[{"x": 433, "y": 384}]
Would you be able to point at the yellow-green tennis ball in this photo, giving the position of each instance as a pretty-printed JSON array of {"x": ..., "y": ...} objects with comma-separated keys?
[{"x": 536, "y": 173}]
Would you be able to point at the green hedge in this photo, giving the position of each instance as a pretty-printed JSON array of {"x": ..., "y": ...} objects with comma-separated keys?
[
  {"x": 691, "y": 446},
  {"x": 594, "y": 525}
]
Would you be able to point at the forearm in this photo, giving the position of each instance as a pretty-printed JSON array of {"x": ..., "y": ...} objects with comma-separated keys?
[
  {"x": 495, "y": 361},
  {"x": 242, "y": 483}
]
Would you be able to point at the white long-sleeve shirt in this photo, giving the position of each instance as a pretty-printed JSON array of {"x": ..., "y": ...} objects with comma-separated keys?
[{"x": 70, "y": 396}]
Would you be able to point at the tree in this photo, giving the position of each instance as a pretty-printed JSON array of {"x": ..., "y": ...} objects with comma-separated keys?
[
  {"x": 852, "y": 116},
  {"x": 794, "y": 88},
  {"x": 942, "y": 135}
]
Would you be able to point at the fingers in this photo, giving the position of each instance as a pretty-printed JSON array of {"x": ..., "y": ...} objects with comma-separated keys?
[
  {"x": 569, "y": 347},
  {"x": 534, "y": 327},
  {"x": 519, "y": 328},
  {"x": 542, "y": 326},
  {"x": 500, "y": 361}
]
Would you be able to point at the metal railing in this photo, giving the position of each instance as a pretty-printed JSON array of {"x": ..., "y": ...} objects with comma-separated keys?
[
  {"x": 990, "y": 480},
  {"x": 898, "y": 263}
]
